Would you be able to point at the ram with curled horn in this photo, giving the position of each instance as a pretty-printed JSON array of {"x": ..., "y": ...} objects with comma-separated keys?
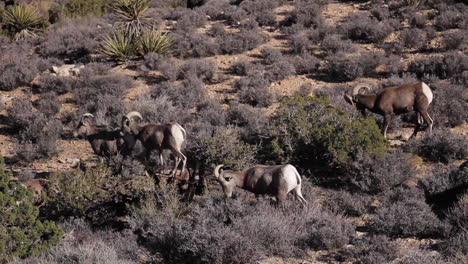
[
  {"x": 395, "y": 100},
  {"x": 276, "y": 181},
  {"x": 104, "y": 143},
  {"x": 157, "y": 137}
]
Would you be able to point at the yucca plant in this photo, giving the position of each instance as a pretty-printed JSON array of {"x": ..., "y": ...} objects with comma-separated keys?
[
  {"x": 22, "y": 21},
  {"x": 155, "y": 41},
  {"x": 132, "y": 14},
  {"x": 119, "y": 45}
]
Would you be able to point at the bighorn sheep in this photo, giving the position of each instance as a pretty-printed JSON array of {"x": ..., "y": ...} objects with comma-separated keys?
[
  {"x": 157, "y": 136},
  {"x": 394, "y": 101},
  {"x": 104, "y": 143},
  {"x": 276, "y": 181}
]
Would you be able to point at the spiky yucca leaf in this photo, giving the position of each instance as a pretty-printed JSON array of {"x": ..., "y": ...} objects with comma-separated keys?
[
  {"x": 118, "y": 45},
  {"x": 132, "y": 14},
  {"x": 22, "y": 20},
  {"x": 155, "y": 41}
]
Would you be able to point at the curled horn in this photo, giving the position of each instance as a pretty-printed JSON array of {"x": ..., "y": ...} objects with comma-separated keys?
[
  {"x": 216, "y": 173},
  {"x": 358, "y": 88},
  {"x": 87, "y": 115},
  {"x": 133, "y": 114}
]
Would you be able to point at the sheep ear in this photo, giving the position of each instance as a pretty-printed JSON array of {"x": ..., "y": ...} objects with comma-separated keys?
[{"x": 228, "y": 178}]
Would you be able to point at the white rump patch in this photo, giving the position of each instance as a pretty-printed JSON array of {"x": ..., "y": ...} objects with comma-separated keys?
[
  {"x": 290, "y": 174},
  {"x": 427, "y": 92},
  {"x": 179, "y": 134}
]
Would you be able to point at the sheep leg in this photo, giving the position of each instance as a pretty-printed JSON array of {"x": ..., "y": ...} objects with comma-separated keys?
[
  {"x": 387, "y": 119},
  {"x": 428, "y": 120},
  {"x": 298, "y": 195},
  {"x": 418, "y": 125},
  {"x": 161, "y": 160},
  {"x": 179, "y": 156}
]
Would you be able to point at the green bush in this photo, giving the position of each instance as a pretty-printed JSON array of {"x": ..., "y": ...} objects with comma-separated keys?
[
  {"x": 83, "y": 193},
  {"x": 21, "y": 232},
  {"x": 222, "y": 146},
  {"x": 308, "y": 132}
]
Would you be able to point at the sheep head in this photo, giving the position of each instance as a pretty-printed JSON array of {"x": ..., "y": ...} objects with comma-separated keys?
[
  {"x": 129, "y": 121},
  {"x": 353, "y": 99},
  {"x": 85, "y": 125},
  {"x": 226, "y": 180}
]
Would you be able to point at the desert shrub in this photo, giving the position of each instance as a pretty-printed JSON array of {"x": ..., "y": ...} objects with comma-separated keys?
[
  {"x": 373, "y": 175},
  {"x": 336, "y": 43},
  {"x": 442, "y": 180},
  {"x": 158, "y": 109},
  {"x": 56, "y": 84},
  {"x": 457, "y": 216},
  {"x": 235, "y": 231},
  {"x": 243, "y": 67},
  {"x": 217, "y": 30},
  {"x": 83, "y": 245},
  {"x": 361, "y": 27},
  {"x": 449, "y": 107},
  {"x": 100, "y": 83},
  {"x": 456, "y": 247},
  {"x": 36, "y": 131},
  {"x": 454, "y": 40},
  {"x": 204, "y": 69},
  {"x": 347, "y": 69},
  {"x": 404, "y": 213},
  {"x": 279, "y": 70},
  {"x": 211, "y": 113},
  {"x": 305, "y": 63},
  {"x": 190, "y": 20},
  {"x": 245, "y": 40},
  {"x": 76, "y": 8},
  {"x": 261, "y": 11},
  {"x": 450, "y": 65},
  {"x": 308, "y": 131},
  {"x": 448, "y": 19},
  {"x": 440, "y": 146},
  {"x": 271, "y": 55},
  {"x": 18, "y": 69},
  {"x": 254, "y": 89},
  {"x": 49, "y": 104},
  {"x": 380, "y": 12},
  {"x": 307, "y": 14},
  {"x": 341, "y": 68},
  {"x": 417, "y": 20},
  {"x": 72, "y": 39},
  {"x": 300, "y": 41},
  {"x": 250, "y": 119},
  {"x": 413, "y": 38},
  {"x": 373, "y": 249},
  {"x": 107, "y": 109},
  {"x": 186, "y": 95},
  {"x": 23, "y": 232},
  {"x": 194, "y": 45},
  {"x": 221, "y": 146},
  {"x": 86, "y": 193},
  {"x": 420, "y": 257},
  {"x": 347, "y": 203},
  {"x": 167, "y": 66}
]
